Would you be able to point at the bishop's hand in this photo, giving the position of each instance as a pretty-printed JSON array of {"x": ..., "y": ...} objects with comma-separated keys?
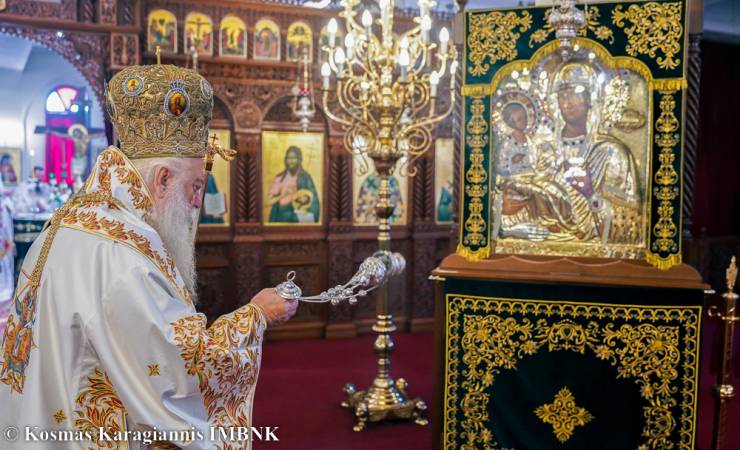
[{"x": 276, "y": 309}]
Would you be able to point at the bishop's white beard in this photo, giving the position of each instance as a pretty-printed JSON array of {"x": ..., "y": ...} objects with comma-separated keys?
[{"x": 176, "y": 221}]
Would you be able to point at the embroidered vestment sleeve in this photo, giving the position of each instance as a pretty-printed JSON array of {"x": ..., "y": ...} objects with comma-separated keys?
[{"x": 170, "y": 371}]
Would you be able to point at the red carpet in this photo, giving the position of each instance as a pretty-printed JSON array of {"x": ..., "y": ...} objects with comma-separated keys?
[
  {"x": 300, "y": 388},
  {"x": 301, "y": 382}
]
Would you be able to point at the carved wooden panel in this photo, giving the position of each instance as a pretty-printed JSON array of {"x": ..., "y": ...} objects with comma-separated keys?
[
  {"x": 212, "y": 285},
  {"x": 127, "y": 12},
  {"x": 213, "y": 251},
  {"x": 124, "y": 50},
  {"x": 247, "y": 71},
  {"x": 65, "y": 10},
  {"x": 293, "y": 250},
  {"x": 424, "y": 261},
  {"x": 86, "y": 11},
  {"x": 247, "y": 177},
  {"x": 341, "y": 263},
  {"x": 108, "y": 11},
  {"x": 247, "y": 270}
]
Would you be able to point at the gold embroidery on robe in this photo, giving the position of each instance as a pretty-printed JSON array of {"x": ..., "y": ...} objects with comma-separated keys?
[
  {"x": 112, "y": 158},
  {"x": 225, "y": 377},
  {"x": 87, "y": 212},
  {"x": 153, "y": 370},
  {"x": 100, "y": 407},
  {"x": 59, "y": 416}
]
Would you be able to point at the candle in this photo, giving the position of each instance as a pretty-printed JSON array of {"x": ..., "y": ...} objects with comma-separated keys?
[
  {"x": 332, "y": 29},
  {"x": 403, "y": 61},
  {"x": 349, "y": 42},
  {"x": 383, "y": 4},
  {"x": 367, "y": 22},
  {"x": 433, "y": 81},
  {"x": 339, "y": 59},
  {"x": 444, "y": 38},
  {"x": 426, "y": 25},
  {"x": 453, "y": 69},
  {"x": 325, "y": 72}
]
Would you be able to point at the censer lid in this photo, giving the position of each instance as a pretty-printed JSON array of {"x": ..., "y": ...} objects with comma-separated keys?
[{"x": 288, "y": 289}]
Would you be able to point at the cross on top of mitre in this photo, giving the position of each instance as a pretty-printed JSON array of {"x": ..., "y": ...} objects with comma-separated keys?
[{"x": 213, "y": 148}]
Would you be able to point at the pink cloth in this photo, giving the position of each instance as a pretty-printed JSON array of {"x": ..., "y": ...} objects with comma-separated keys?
[{"x": 59, "y": 150}]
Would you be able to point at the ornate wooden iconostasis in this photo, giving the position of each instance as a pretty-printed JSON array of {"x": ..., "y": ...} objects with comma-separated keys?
[
  {"x": 249, "y": 53},
  {"x": 566, "y": 315}
]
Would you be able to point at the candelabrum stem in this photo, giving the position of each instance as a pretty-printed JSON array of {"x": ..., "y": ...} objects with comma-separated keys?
[{"x": 385, "y": 398}]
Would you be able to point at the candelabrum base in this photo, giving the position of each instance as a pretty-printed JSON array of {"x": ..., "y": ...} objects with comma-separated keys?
[{"x": 384, "y": 400}]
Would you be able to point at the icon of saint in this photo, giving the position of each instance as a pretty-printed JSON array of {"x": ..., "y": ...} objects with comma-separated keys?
[{"x": 293, "y": 196}]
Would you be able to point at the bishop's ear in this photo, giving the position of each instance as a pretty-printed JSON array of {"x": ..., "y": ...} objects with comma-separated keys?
[{"x": 162, "y": 182}]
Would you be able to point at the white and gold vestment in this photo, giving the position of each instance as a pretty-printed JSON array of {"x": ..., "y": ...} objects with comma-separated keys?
[{"x": 102, "y": 331}]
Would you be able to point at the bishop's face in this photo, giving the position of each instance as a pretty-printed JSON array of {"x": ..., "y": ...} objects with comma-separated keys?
[{"x": 574, "y": 104}]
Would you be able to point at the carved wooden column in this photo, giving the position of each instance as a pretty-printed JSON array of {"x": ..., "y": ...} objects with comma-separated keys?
[
  {"x": 341, "y": 264},
  {"x": 127, "y": 12},
  {"x": 691, "y": 143},
  {"x": 425, "y": 235},
  {"x": 108, "y": 12},
  {"x": 692, "y": 131},
  {"x": 86, "y": 11},
  {"x": 247, "y": 249}
]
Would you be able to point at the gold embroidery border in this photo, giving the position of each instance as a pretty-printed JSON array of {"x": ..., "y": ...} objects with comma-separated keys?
[
  {"x": 645, "y": 41},
  {"x": 614, "y": 62},
  {"x": 654, "y": 258},
  {"x": 482, "y": 189},
  {"x": 671, "y": 81},
  {"x": 99, "y": 401},
  {"x": 505, "y": 24},
  {"x": 689, "y": 358}
]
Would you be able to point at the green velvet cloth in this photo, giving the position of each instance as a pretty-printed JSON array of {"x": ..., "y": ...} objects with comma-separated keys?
[{"x": 628, "y": 358}]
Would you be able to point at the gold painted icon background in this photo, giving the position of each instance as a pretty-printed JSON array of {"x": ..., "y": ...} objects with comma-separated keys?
[
  {"x": 365, "y": 194},
  {"x": 274, "y": 146},
  {"x": 162, "y": 31},
  {"x": 221, "y": 173},
  {"x": 233, "y": 37},
  {"x": 266, "y": 43},
  {"x": 199, "y": 28},
  {"x": 444, "y": 161}
]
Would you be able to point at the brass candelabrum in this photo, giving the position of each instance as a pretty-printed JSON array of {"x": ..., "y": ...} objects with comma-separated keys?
[
  {"x": 723, "y": 390},
  {"x": 384, "y": 96}
]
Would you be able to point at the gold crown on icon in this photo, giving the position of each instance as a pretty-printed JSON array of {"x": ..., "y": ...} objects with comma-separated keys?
[{"x": 160, "y": 110}]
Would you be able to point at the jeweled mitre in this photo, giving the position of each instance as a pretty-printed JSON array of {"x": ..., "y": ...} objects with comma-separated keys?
[{"x": 160, "y": 110}]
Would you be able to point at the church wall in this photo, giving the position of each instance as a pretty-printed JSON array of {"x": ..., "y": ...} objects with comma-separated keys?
[{"x": 23, "y": 98}]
